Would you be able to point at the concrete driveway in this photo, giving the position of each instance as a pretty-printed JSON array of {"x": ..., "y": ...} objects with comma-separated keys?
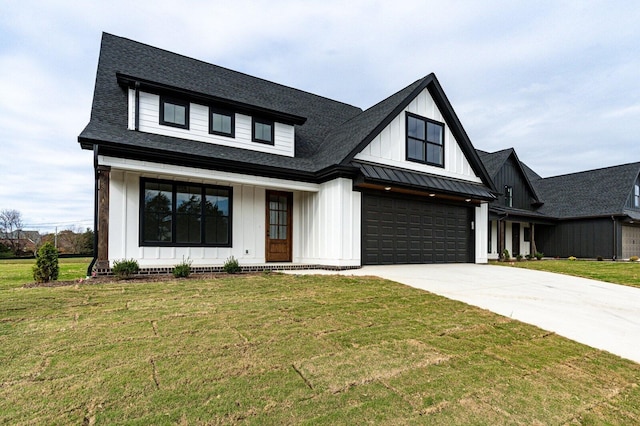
[{"x": 602, "y": 315}]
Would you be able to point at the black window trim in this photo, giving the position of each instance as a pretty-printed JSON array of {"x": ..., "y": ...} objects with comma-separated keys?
[
  {"x": 175, "y": 101},
  {"x": 426, "y": 142},
  {"x": 508, "y": 196},
  {"x": 271, "y": 123},
  {"x": 222, "y": 111},
  {"x": 175, "y": 184}
]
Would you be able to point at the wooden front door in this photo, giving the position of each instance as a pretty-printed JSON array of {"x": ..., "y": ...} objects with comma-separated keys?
[{"x": 278, "y": 226}]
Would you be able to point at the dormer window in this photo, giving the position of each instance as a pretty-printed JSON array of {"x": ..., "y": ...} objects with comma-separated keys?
[
  {"x": 221, "y": 122},
  {"x": 174, "y": 112},
  {"x": 508, "y": 196},
  {"x": 425, "y": 140},
  {"x": 262, "y": 131}
]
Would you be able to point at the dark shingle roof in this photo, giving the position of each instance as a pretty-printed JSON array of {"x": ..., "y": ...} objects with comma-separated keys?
[
  {"x": 329, "y": 138},
  {"x": 109, "y": 110},
  {"x": 600, "y": 192},
  {"x": 494, "y": 161}
]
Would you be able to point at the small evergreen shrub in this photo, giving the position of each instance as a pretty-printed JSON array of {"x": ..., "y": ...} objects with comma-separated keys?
[
  {"x": 633, "y": 258},
  {"x": 231, "y": 266},
  {"x": 518, "y": 257},
  {"x": 572, "y": 258},
  {"x": 124, "y": 269},
  {"x": 506, "y": 255},
  {"x": 539, "y": 255},
  {"x": 182, "y": 270},
  {"x": 599, "y": 258},
  {"x": 46, "y": 268}
]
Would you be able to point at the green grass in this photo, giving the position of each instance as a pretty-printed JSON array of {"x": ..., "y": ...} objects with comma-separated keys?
[
  {"x": 283, "y": 349},
  {"x": 17, "y": 272},
  {"x": 627, "y": 273}
]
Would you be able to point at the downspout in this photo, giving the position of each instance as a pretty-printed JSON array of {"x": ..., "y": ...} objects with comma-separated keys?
[{"x": 95, "y": 212}]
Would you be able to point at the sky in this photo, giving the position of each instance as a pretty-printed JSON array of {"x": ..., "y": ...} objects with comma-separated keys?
[{"x": 559, "y": 81}]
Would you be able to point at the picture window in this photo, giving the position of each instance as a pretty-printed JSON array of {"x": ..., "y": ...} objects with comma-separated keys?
[{"x": 425, "y": 140}]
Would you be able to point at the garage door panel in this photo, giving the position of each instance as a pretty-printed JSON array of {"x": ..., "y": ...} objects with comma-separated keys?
[{"x": 414, "y": 230}]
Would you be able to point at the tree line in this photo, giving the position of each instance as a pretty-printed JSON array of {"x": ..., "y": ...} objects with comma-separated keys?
[{"x": 15, "y": 241}]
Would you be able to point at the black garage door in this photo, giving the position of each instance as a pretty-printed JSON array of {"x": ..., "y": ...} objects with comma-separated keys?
[{"x": 397, "y": 230}]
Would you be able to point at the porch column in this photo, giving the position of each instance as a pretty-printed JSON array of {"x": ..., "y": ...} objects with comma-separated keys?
[
  {"x": 102, "y": 255},
  {"x": 501, "y": 236}
]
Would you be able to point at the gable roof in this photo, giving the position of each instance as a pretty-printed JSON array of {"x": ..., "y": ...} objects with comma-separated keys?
[
  {"x": 132, "y": 60},
  {"x": 493, "y": 162},
  {"x": 328, "y": 133},
  {"x": 592, "y": 193}
]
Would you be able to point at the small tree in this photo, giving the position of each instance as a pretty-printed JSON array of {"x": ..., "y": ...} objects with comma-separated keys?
[{"x": 46, "y": 267}]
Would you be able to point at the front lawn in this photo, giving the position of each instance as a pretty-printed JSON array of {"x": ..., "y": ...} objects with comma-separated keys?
[
  {"x": 627, "y": 273},
  {"x": 286, "y": 349}
]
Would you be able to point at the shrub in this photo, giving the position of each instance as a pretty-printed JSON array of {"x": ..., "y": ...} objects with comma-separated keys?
[
  {"x": 182, "y": 270},
  {"x": 539, "y": 255},
  {"x": 125, "y": 269},
  {"x": 633, "y": 258},
  {"x": 46, "y": 268},
  {"x": 572, "y": 258},
  {"x": 599, "y": 258},
  {"x": 529, "y": 257},
  {"x": 231, "y": 266},
  {"x": 506, "y": 255},
  {"x": 518, "y": 257}
]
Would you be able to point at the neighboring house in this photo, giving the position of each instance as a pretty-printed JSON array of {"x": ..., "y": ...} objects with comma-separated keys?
[
  {"x": 195, "y": 161},
  {"x": 586, "y": 214}
]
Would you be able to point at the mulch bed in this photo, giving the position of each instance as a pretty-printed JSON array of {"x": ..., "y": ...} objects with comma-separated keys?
[{"x": 150, "y": 278}]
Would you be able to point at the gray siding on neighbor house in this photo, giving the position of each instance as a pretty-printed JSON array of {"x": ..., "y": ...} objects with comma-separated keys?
[
  {"x": 586, "y": 238},
  {"x": 509, "y": 174}
]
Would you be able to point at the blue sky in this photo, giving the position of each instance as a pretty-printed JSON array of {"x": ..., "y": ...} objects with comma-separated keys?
[{"x": 559, "y": 81}]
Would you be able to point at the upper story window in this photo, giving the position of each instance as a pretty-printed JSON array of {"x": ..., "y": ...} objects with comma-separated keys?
[
  {"x": 221, "y": 122},
  {"x": 636, "y": 195},
  {"x": 174, "y": 112},
  {"x": 425, "y": 140},
  {"x": 184, "y": 214},
  {"x": 262, "y": 131},
  {"x": 508, "y": 196}
]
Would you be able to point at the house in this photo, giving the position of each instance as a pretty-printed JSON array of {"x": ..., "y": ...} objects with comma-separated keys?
[
  {"x": 590, "y": 214},
  {"x": 197, "y": 161}
]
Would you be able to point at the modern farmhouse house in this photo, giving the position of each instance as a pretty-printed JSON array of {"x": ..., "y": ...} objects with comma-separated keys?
[
  {"x": 590, "y": 214},
  {"x": 195, "y": 161}
]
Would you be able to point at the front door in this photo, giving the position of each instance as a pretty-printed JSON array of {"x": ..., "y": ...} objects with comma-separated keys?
[
  {"x": 278, "y": 226},
  {"x": 515, "y": 240}
]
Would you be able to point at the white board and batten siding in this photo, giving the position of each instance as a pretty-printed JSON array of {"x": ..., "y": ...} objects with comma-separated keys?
[
  {"x": 389, "y": 147},
  {"x": 326, "y": 217},
  {"x": 149, "y": 121}
]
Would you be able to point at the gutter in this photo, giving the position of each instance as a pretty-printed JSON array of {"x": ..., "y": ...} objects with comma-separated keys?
[{"x": 95, "y": 212}]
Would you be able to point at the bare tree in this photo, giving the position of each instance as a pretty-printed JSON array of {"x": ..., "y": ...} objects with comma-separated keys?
[{"x": 10, "y": 228}]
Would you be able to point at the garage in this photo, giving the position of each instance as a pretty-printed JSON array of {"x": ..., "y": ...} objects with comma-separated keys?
[
  {"x": 630, "y": 241},
  {"x": 406, "y": 229}
]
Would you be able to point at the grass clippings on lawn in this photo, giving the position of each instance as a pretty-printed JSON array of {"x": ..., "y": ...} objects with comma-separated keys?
[{"x": 283, "y": 349}]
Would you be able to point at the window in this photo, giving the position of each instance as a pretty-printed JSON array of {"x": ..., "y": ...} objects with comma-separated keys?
[
  {"x": 508, "y": 196},
  {"x": 636, "y": 195},
  {"x": 221, "y": 122},
  {"x": 527, "y": 234},
  {"x": 425, "y": 140},
  {"x": 184, "y": 214},
  {"x": 174, "y": 112},
  {"x": 262, "y": 131}
]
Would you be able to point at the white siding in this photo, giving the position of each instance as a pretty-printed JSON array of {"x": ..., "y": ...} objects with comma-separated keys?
[
  {"x": 326, "y": 218},
  {"x": 149, "y": 121},
  {"x": 481, "y": 230},
  {"x": 389, "y": 147},
  {"x": 328, "y": 225}
]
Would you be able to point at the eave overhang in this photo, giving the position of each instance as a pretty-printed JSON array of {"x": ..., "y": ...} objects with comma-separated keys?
[{"x": 161, "y": 88}]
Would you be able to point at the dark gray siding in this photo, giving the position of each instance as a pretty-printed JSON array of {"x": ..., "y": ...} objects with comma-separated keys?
[
  {"x": 509, "y": 174},
  {"x": 587, "y": 238}
]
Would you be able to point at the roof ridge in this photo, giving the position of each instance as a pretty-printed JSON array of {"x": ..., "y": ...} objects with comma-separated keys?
[
  {"x": 229, "y": 69},
  {"x": 636, "y": 163}
]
